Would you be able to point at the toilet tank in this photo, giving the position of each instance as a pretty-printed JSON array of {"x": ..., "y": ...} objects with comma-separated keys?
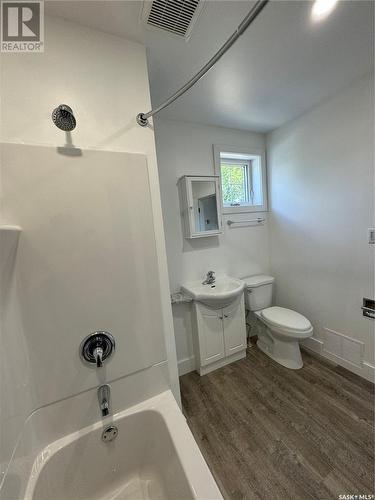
[{"x": 258, "y": 292}]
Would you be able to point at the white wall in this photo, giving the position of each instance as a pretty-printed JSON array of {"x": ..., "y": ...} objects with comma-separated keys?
[
  {"x": 104, "y": 79},
  {"x": 186, "y": 149},
  {"x": 321, "y": 182}
]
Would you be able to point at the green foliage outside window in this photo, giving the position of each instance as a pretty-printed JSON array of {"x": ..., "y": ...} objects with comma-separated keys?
[{"x": 233, "y": 183}]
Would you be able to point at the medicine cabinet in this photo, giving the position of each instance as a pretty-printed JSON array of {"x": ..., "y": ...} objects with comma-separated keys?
[{"x": 200, "y": 205}]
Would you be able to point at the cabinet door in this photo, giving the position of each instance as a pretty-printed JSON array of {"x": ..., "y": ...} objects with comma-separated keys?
[
  {"x": 234, "y": 327},
  {"x": 204, "y": 208},
  {"x": 211, "y": 339}
]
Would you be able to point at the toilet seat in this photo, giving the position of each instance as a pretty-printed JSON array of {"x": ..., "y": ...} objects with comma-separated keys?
[{"x": 286, "y": 321}]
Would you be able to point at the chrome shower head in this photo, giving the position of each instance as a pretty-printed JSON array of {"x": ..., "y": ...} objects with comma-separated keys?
[{"x": 63, "y": 118}]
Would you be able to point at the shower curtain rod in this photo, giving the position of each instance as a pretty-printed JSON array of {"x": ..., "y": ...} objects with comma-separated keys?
[{"x": 142, "y": 118}]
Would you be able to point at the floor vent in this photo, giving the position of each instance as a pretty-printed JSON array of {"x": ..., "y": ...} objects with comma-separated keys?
[
  {"x": 342, "y": 347},
  {"x": 175, "y": 16}
]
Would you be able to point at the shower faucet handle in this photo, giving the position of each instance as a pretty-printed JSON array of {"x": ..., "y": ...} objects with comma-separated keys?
[
  {"x": 98, "y": 356},
  {"x": 97, "y": 347}
]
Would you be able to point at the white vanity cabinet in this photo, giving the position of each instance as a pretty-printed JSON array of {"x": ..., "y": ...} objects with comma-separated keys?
[{"x": 219, "y": 336}]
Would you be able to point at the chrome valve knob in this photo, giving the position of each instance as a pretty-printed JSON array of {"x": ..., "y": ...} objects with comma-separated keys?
[{"x": 97, "y": 347}]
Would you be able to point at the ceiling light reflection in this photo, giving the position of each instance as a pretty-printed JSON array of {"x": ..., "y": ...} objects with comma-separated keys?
[{"x": 322, "y": 8}]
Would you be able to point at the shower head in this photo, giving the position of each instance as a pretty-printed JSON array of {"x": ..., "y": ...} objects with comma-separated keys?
[{"x": 63, "y": 118}]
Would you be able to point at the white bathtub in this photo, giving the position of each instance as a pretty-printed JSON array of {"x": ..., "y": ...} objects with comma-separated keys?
[{"x": 154, "y": 456}]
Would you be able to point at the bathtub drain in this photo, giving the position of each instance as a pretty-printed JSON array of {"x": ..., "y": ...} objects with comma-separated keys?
[{"x": 109, "y": 433}]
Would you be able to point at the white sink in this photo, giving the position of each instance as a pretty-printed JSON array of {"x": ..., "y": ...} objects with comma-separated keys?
[{"x": 220, "y": 294}]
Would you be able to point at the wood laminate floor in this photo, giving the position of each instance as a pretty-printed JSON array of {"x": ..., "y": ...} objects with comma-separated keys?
[{"x": 267, "y": 432}]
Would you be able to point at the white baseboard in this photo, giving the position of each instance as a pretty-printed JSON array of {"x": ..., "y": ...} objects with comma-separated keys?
[
  {"x": 369, "y": 371},
  {"x": 365, "y": 370},
  {"x": 203, "y": 370},
  {"x": 313, "y": 344},
  {"x": 186, "y": 365}
]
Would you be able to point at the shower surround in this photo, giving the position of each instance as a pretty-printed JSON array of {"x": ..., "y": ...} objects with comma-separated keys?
[
  {"x": 80, "y": 265},
  {"x": 82, "y": 262}
]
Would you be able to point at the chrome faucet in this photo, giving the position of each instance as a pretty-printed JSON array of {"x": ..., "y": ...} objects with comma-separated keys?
[
  {"x": 98, "y": 356},
  {"x": 210, "y": 278},
  {"x": 104, "y": 395}
]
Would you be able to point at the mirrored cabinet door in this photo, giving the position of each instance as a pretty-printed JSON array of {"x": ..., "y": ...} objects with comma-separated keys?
[
  {"x": 204, "y": 206},
  {"x": 200, "y": 206}
]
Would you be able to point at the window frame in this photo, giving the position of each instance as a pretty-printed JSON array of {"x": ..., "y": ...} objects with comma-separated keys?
[
  {"x": 248, "y": 179},
  {"x": 252, "y": 154}
]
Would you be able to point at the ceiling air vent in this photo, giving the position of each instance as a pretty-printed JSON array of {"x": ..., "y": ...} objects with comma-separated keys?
[{"x": 175, "y": 16}]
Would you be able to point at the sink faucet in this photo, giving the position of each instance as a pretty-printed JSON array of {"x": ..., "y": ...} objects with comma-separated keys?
[
  {"x": 210, "y": 278},
  {"x": 104, "y": 394}
]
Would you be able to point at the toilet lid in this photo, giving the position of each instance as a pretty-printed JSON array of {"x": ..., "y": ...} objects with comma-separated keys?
[{"x": 280, "y": 316}]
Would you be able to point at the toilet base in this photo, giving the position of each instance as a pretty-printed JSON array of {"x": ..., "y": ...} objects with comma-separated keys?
[{"x": 287, "y": 353}]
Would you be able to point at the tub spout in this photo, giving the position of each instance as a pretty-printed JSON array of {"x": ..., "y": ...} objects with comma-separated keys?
[{"x": 104, "y": 394}]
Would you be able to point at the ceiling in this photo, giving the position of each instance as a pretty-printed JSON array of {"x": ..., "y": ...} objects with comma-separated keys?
[{"x": 283, "y": 64}]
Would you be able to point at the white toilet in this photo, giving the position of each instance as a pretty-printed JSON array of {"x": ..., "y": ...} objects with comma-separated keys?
[{"x": 284, "y": 327}]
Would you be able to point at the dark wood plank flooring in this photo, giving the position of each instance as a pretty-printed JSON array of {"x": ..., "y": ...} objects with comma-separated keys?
[{"x": 267, "y": 432}]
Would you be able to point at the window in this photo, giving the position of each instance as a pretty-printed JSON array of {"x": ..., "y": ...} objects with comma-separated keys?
[
  {"x": 242, "y": 179},
  {"x": 235, "y": 182}
]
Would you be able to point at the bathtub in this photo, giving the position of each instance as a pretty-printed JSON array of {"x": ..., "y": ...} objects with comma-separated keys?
[{"x": 154, "y": 456}]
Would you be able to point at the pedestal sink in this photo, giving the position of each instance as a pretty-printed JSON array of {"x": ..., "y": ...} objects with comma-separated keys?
[{"x": 220, "y": 294}]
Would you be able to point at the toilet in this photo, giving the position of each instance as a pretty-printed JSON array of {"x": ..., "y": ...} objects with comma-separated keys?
[{"x": 284, "y": 328}]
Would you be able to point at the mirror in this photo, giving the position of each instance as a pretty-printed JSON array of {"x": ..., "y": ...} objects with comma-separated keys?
[
  {"x": 200, "y": 205},
  {"x": 204, "y": 205}
]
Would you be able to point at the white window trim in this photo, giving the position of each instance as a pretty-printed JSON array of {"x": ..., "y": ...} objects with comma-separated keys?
[{"x": 256, "y": 152}]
